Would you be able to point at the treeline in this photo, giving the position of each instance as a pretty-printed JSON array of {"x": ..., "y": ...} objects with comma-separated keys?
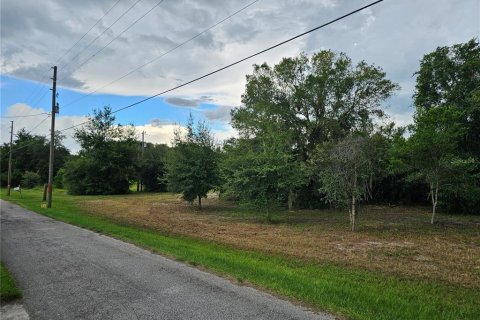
[{"x": 313, "y": 132}]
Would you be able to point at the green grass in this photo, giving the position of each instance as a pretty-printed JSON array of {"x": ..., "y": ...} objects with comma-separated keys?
[
  {"x": 353, "y": 293},
  {"x": 8, "y": 289}
]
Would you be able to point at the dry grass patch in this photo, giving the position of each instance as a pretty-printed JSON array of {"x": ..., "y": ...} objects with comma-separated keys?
[{"x": 395, "y": 240}]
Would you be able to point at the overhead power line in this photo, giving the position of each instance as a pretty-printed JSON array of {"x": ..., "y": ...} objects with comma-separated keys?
[
  {"x": 35, "y": 91},
  {"x": 238, "y": 61},
  {"x": 91, "y": 28},
  {"x": 118, "y": 36},
  {"x": 162, "y": 55},
  {"x": 101, "y": 34},
  {"x": 24, "y": 116}
]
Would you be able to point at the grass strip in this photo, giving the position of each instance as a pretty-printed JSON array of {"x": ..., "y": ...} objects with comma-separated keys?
[
  {"x": 8, "y": 288},
  {"x": 353, "y": 293}
]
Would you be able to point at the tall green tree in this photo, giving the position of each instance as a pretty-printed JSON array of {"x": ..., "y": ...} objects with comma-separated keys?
[
  {"x": 450, "y": 77},
  {"x": 107, "y": 159},
  {"x": 192, "y": 165},
  {"x": 432, "y": 152},
  {"x": 313, "y": 100}
]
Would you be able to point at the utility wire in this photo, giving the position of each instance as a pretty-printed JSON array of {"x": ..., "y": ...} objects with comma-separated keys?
[
  {"x": 36, "y": 91},
  {"x": 91, "y": 28},
  {"x": 39, "y": 124},
  {"x": 118, "y": 36},
  {"x": 25, "y": 116},
  {"x": 101, "y": 34},
  {"x": 160, "y": 56},
  {"x": 238, "y": 61}
]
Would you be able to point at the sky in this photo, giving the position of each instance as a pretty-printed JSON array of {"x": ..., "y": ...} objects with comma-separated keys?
[{"x": 95, "y": 43}]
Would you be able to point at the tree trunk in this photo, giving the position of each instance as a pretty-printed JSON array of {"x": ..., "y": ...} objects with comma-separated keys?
[
  {"x": 353, "y": 213},
  {"x": 290, "y": 200},
  {"x": 44, "y": 197},
  {"x": 434, "y": 192},
  {"x": 199, "y": 202}
]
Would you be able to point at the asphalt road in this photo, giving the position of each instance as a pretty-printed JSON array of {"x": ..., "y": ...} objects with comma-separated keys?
[{"x": 66, "y": 272}]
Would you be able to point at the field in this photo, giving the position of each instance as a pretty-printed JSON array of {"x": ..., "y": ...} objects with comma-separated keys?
[
  {"x": 397, "y": 266},
  {"x": 396, "y": 240}
]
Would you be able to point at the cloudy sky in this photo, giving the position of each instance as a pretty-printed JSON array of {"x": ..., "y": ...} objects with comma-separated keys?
[{"x": 97, "y": 71}]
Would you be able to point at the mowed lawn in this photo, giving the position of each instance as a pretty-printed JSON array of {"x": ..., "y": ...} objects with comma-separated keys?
[{"x": 397, "y": 266}]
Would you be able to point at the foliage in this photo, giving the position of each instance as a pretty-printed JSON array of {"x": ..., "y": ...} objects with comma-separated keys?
[
  {"x": 30, "y": 179},
  {"x": 450, "y": 76},
  {"x": 192, "y": 167},
  {"x": 31, "y": 153},
  {"x": 432, "y": 151},
  {"x": 313, "y": 101},
  {"x": 58, "y": 180},
  {"x": 262, "y": 171},
  {"x": 106, "y": 162},
  {"x": 152, "y": 169}
]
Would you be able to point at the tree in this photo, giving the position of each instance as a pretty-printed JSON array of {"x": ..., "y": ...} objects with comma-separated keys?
[
  {"x": 450, "y": 77},
  {"x": 192, "y": 166},
  {"x": 106, "y": 162},
  {"x": 314, "y": 100},
  {"x": 432, "y": 151},
  {"x": 262, "y": 171},
  {"x": 345, "y": 170}
]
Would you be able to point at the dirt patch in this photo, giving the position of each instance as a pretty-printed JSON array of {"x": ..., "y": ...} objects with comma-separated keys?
[{"x": 396, "y": 240}]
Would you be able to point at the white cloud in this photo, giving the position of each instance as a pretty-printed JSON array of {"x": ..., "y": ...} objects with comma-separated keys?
[
  {"x": 39, "y": 124},
  {"x": 164, "y": 133}
]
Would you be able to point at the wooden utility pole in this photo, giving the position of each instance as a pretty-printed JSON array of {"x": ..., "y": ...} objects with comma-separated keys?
[
  {"x": 52, "y": 138},
  {"x": 9, "y": 181},
  {"x": 143, "y": 147}
]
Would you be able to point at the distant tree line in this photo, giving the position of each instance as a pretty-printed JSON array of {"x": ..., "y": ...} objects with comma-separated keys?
[{"x": 312, "y": 133}]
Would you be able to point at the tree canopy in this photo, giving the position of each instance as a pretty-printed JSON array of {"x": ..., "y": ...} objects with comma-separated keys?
[{"x": 107, "y": 159}]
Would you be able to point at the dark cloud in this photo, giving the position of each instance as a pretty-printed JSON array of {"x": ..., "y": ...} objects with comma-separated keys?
[
  {"x": 185, "y": 102},
  {"x": 159, "y": 123},
  {"x": 221, "y": 113},
  {"x": 39, "y": 71}
]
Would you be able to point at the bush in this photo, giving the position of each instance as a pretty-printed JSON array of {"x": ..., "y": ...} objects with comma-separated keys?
[
  {"x": 86, "y": 176},
  {"x": 58, "y": 180},
  {"x": 30, "y": 179}
]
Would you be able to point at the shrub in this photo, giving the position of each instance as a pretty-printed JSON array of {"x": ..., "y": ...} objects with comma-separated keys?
[
  {"x": 58, "y": 180},
  {"x": 30, "y": 179}
]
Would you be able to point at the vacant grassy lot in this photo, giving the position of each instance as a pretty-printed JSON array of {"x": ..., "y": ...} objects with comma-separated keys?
[
  {"x": 8, "y": 288},
  {"x": 396, "y": 240},
  {"x": 348, "y": 279}
]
